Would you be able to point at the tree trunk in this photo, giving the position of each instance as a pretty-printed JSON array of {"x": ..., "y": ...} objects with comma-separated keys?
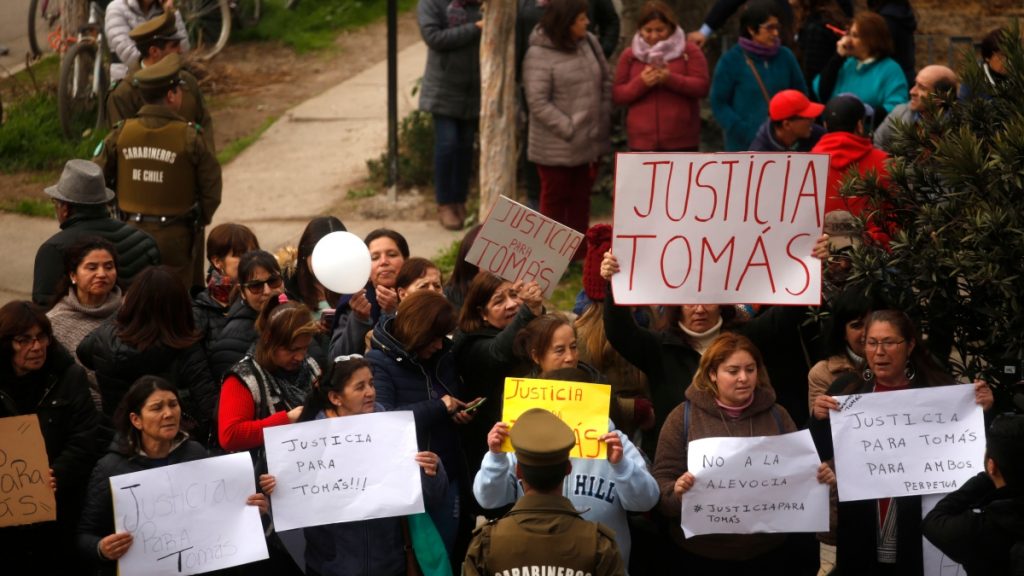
[
  {"x": 497, "y": 104},
  {"x": 73, "y": 14}
]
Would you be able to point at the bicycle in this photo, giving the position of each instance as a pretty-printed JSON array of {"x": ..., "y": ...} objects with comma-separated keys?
[
  {"x": 83, "y": 81},
  {"x": 43, "y": 23},
  {"x": 209, "y": 22}
]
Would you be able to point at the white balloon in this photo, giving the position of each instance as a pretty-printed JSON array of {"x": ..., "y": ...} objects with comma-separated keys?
[{"x": 341, "y": 262}]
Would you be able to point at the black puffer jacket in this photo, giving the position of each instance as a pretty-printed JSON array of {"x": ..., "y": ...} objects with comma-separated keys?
[
  {"x": 98, "y": 513},
  {"x": 118, "y": 364},
  {"x": 210, "y": 316},
  {"x": 58, "y": 394},
  {"x": 135, "y": 249},
  {"x": 235, "y": 338}
]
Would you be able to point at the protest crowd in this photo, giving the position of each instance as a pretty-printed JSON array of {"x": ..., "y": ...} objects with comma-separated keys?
[{"x": 152, "y": 342}]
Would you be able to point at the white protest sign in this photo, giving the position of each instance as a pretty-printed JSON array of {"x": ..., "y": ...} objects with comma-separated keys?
[
  {"x": 759, "y": 484},
  {"x": 189, "y": 518},
  {"x": 718, "y": 228},
  {"x": 935, "y": 562},
  {"x": 343, "y": 469},
  {"x": 907, "y": 442},
  {"x": 517, "y": 243}
]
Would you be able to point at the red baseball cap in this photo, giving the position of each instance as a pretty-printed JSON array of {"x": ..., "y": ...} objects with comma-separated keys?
[{"x": 790, "y": 103}]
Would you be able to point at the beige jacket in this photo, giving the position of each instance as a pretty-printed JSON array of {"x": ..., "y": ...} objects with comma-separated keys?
[{"x": 569, "y": 96}]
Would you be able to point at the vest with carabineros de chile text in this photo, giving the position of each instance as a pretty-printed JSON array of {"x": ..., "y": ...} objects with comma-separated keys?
[{"x": 155, "y": 170}]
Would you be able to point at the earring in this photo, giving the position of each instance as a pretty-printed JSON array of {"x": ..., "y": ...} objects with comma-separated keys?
[
  {"x": 868, "y": 375},
  {"x": 910, "y": 372}
]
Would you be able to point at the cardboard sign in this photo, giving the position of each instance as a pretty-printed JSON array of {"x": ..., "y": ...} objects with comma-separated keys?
[
  {"x": 189, "y": 518},
  {"x": 920, "y": 441},
  {"x": 581, "y": 405},
  {"x": 718, "y": 228},
  {"x": 758, "y": 484},
  {"x": 25, "y": 494},
  {"x": 516, "y": 243},
  {"x": 344, "y": 469}
]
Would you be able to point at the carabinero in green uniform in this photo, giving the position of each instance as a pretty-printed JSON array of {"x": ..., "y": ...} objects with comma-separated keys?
[
  {"x": 167, "y": 179},
  {"x": 156, "y": 39},
  {"x": 543, "y": 533}
]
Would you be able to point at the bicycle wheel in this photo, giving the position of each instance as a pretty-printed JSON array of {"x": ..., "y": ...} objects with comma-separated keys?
[
  {"x": 208, "y": 23},
  {"x": 43, "y": 17},
  {"x": 82, "y": 90},
  {"x": 247, "y": 12}
]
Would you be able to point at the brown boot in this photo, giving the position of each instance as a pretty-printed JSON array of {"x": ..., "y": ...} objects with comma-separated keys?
[{"x": 448, "y": 215}]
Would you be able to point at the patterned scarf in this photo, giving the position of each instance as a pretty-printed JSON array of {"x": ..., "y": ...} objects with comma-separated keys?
[
  {"x": 219, "y": 285},
  {"x": 664, "y": 51}
]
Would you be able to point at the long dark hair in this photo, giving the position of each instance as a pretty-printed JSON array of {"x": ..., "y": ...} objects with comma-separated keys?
[
  {"x": 557, "y": 22},
  {"x": 129, "y": 437},
  {"x": 157, "y": 310},
  {"x": 850, "y": 305},
  {"x": 247, "y": 266},
  {"x": 306, "y": 281},
  {"x": 341, "y": 372},
  {"x": 463, "y": 272},
  {"x": 73, "y": 256},
  {"x": 927, "y": 371},
  {"x": 480, "y": 292}
]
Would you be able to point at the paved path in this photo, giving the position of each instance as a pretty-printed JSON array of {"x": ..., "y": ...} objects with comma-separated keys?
[{"x": 297, "y": 170}]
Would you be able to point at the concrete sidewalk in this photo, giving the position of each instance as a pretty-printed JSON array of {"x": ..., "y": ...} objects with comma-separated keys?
[
  {"x": 297, "y": 170},
  {"x": 311, "y": 157}
]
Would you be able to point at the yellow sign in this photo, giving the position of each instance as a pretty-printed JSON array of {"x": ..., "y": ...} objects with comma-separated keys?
[
  {"x": 582, "y": 406},
  {"x": 25, "y": 494}
]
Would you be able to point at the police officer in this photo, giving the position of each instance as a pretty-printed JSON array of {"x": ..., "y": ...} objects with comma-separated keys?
[
  {"x": 543, "y": 533},
  {"x": 155, "y": 39},
  {"x": 168, "y": 181}
]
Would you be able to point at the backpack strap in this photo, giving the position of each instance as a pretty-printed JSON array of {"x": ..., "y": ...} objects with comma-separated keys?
[
  {"x": 686, "y": 421},
  {"x": 778, "y": 418}
]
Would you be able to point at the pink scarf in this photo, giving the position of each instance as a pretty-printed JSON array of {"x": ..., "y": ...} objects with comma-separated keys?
[{"x": 664, "y": 51}]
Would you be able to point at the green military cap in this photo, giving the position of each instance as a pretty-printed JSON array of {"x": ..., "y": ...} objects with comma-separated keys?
[
  {"x": 160, "y": 27},
  {"x": 162, "y": 75},
  {"x": 541, "y": 439}
]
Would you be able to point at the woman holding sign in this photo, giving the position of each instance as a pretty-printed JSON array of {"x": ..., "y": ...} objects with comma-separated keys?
[
  {"x": 368, "y": 546},
  {"x": 149, "y": 435},
  {"x": 494, "y": 311},
  {"x": 39, "y": 377},
  {"x": 731, "y": 396},
  {"x": 883, "y": 536},
  {"x": 414, "y": 369}
]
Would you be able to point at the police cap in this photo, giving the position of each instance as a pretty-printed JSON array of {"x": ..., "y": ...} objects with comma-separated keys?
[
  {"x": 541, "y": 439},
  {"x": 160, "y": 27},
  {"x": 160, "y": 76}
]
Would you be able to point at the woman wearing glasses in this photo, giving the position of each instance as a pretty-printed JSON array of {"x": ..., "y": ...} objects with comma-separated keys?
[
  {"x": 259, "y": 280},
  {"x": 154, "y": 333},
  {"x": 750, "y": 73},
  {"x": 38, "y": 376},
  {"x": 883, "y": 536}
]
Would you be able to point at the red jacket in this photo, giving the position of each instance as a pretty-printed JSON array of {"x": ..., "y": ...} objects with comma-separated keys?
[
  {"x": 667, "y": 116},
  {"x": 847, "y": 151}
]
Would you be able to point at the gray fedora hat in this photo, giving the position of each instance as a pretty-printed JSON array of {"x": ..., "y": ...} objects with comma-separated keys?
[{"x": 81, "y": 183}]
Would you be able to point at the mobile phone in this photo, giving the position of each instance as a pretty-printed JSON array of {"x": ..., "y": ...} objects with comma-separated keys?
[
  {"x": 472, "y": 406},
  {"x": 327, "y": 317}
]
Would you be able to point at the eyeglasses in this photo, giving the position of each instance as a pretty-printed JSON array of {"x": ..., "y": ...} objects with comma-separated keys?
[
  {"x": 886, "y": 345},
  {"x": 771, "y": 27},
  {"x": 25, "y": 341},
  {"x": 256, "y": 286},
  {"x": 338, "y": 359}
]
